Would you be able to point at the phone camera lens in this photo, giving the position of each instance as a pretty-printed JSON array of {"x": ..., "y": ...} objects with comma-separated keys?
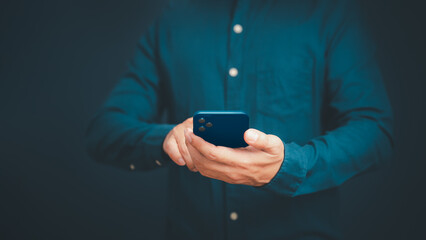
[
  {"x": 201, "y": 120},
  {"x": 201, "y": 129},
  {"x": 209, "y": 124}
]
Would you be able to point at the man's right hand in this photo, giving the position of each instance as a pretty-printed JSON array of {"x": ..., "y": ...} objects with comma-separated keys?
[{"x": 174, "y": 145}]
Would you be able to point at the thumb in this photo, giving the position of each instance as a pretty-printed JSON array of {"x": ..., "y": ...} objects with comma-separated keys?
[{"x": 262, "y": 141}]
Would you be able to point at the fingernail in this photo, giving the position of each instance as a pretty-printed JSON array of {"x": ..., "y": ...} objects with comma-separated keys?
[
  {"x": 187, "y": 136},
  {"x": 252, "y": 136},
  {"x": 180, "y": 161}
]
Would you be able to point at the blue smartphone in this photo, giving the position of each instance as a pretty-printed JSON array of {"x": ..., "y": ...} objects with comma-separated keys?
[{"x": 221, "y": 128}]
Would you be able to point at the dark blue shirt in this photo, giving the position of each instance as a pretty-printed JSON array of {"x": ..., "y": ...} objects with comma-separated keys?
[{"x": 302, "y": 70}]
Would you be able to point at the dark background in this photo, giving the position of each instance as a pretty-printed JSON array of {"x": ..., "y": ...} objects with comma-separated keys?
[{"x": 60, "y": 59}]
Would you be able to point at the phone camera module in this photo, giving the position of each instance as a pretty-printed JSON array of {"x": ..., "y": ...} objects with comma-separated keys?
[
  {"x": 201, "y": 120},
  {"x": 201, "y": 129},
  {"x": 209, "y": 124}
]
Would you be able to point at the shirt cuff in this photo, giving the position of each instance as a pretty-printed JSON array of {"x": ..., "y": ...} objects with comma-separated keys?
[
  {"x": 291, "y": 173},
  {"x": 151, "y": 148}
]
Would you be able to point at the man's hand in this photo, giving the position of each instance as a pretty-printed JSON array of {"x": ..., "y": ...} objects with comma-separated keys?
[
  {"x": 174, "y": 145},
  {"x": 254, "y": 165}
]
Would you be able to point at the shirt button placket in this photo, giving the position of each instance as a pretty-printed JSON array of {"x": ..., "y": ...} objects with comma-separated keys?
[
  {"x": 234, "y": 72},
  {"x": 235, "y": 90}
]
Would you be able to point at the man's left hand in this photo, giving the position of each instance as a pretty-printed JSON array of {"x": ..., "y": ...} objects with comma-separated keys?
[{"x": 254, "y": 165}]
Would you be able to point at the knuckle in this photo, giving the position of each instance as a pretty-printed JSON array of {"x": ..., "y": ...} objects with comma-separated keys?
[
  {"x": 169, "y": 145},
  {"x": 259, "y": 180},
  {"x": 192, "y": 166},
  {"x": 205, "y": 172},
  {"x": 245, "y": 164},
  {"x": 234, "y": 177},
  {"x": 255, "y": 173},
  {"x": 175, "y": 155},
  {"x": 177, "y": 130},
  {"x": 166, "y": 146},
  {"x": 211, "y": 154},
  {"x": 275, "y": 142},
  {"x": 196, "y": 164},
  {"x": 215, "y": 152}
]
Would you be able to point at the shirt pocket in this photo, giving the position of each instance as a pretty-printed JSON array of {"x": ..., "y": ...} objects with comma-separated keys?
[{"x": 285, "y": 87}]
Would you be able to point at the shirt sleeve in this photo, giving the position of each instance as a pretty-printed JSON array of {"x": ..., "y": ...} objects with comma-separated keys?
[
  {"x": 358, "y": 135},
  {"x": 125, "y": 131}
]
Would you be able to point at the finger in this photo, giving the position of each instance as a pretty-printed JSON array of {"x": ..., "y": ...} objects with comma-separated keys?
[
  {"x": 207, "y": 167},
  {"x": 171, "y": 148},
  {"x": 262, "y": 141},
  {"x": 190, "y": 163},
  {"x": 188, "y": 123},
  {"x": 203, "y": 163},
  {"x": 208, "y": 150},
  {"x": 196, "y": 157},
  {"x": 183, "y": 149}
]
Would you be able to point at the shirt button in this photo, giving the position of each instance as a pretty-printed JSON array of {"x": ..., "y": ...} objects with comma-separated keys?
[
  {"x": 238, "y": 28},
  {"x": 233, "y": 72},
  {"x": 233, "y": 216},
  {"x": 132, "y": 167},
  {"x": 158, "y": 162}
]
